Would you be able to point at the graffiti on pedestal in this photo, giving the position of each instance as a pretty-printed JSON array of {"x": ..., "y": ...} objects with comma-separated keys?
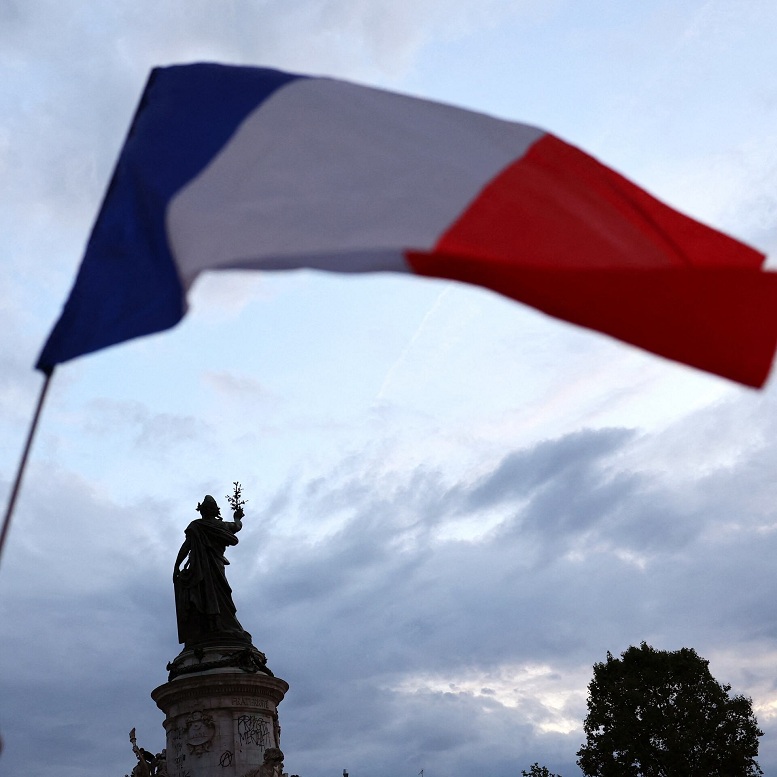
[
  {"x": 253, "y": 731},
  {"x": 176, "y": 762}
]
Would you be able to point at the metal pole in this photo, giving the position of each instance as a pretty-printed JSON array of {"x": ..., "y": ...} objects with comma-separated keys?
[{"x": 23, "y": 462}]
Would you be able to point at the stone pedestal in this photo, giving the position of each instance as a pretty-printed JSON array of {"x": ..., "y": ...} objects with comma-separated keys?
[{"x": 220, "y": 720}]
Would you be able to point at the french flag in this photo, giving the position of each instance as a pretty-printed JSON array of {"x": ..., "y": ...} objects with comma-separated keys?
[{"x": 248, "y": 168}]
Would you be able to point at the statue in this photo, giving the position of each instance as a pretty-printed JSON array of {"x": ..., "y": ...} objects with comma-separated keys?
[
  {"x": 149, "y": 765},
  {"x": 203, "y": 597},
  {"x": 272, "y": 765}
]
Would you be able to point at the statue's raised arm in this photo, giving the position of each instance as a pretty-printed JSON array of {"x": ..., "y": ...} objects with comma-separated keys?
[{"x": 203, "y": 597}]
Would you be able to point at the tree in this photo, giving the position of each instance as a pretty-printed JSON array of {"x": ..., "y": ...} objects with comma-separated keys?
[
  {"x": 535, "y": 770},
  {"x": 656, "y": 713}
]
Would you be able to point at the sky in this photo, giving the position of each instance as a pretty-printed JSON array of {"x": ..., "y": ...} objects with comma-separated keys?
[{"x": 457, "y": 505}]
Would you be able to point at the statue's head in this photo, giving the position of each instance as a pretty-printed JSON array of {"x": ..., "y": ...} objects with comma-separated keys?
[{"x": 208, "y": 507}]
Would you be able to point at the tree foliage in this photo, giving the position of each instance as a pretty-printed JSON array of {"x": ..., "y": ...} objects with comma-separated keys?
[
  {"x": 656, "y": 713},
  {"x": 535, "y": 770}
]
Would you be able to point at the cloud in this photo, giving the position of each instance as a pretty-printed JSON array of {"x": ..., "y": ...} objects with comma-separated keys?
[
  {"x": 449, "y": 617},
  {"x": 153, "y": 433},
  {"x": 435, "y": 583},
  {"x": 413, "y": 643}
]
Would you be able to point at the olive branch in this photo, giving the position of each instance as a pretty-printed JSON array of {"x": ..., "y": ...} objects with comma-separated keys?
[{"x": 235, "y": 500}]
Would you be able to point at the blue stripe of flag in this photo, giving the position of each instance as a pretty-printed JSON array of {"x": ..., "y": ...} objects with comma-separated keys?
[{"x": 128, "y": 285}]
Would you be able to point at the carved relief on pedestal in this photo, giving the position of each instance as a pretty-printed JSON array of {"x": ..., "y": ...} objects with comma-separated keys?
[{"x": 199, "y": 732}]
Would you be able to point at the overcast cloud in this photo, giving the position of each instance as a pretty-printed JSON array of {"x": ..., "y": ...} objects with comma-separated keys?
[{"x": 457, "y": 506}]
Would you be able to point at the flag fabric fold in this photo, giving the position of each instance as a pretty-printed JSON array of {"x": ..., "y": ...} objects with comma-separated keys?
[{"x": 248, "y": 168}]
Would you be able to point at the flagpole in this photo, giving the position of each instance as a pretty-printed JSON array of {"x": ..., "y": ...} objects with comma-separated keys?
[{"x": 23, "y": 462}]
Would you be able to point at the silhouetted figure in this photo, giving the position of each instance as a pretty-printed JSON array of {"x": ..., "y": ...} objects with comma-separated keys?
[{"x": 203, "y": 597}]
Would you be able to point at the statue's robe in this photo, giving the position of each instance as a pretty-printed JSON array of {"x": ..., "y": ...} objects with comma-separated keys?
[{"x": 203, "y": 597}]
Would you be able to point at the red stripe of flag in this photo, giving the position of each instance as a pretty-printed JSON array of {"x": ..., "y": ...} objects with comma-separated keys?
[{"x": 559, "y": 231}]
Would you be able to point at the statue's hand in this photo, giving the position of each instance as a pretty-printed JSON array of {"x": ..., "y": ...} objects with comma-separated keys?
[
  {"x": 178, "y": 572},
  {"x": 239, "y": 514}
]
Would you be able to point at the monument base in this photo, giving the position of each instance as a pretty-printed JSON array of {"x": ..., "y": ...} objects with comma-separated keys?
[
  {"x": 221, "y": 720},
  {"x": 218, "y": 655}
]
